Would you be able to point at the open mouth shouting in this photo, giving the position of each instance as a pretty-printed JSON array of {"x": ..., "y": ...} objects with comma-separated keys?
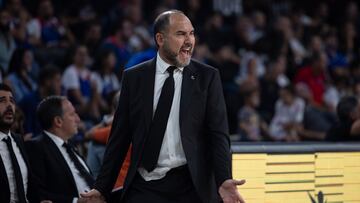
[{"x": 186, "y": 51}]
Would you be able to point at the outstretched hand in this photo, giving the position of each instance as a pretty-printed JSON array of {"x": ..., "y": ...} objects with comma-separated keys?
[{"x": 229, "y": 193}]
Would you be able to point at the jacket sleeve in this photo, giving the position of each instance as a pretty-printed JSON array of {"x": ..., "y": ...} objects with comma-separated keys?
[
  {"x": 217, "y": 129},
  {"x": 118, "y": 143}
]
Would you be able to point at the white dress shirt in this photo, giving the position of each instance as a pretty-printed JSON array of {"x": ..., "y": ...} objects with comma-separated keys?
[
  {"x": 80, "y": 182},
  {"x": 5, "y": 156},
  {"x": 171, "y": 153}
]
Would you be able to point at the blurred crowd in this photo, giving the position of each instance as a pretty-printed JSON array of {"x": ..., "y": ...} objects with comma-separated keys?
[{"x": 284, "y": 64}]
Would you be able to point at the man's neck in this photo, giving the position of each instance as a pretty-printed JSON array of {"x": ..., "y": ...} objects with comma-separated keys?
[
  {"x": 58, "y": 134},
  {"x": 79, "y": 66},
  {"x": 161, "y": 55}
]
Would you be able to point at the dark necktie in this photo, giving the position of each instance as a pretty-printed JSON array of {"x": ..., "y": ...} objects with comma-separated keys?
[
  {"x": 159, "y": 123},
  {"x": 17, "y": 172},
  {"x": 83, "y": 172}
]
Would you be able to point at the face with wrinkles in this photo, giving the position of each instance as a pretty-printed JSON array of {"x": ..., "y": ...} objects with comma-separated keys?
[
  {"x": 7, "y": 110},
  {"x": 176, "y": 43}
]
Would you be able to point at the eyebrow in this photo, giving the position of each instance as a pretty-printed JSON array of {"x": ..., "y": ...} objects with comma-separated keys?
[
  {"x": 3, "y": 97},
  {"x": 182, "y": 31}
]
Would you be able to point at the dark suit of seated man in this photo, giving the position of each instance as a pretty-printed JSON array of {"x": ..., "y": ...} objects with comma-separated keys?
[
  {"x": 15, "y": 176},
  {"x": 60, "y": 172}
]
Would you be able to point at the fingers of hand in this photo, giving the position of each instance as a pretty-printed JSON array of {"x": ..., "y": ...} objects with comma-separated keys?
[
  {"x": 91, "y": 193},
  {"x": 239, "y": 182}
]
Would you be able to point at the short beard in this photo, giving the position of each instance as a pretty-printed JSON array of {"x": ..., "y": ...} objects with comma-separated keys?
[
  {"x": 4, "y": 127},
  {"x": 172, "y": 57}
]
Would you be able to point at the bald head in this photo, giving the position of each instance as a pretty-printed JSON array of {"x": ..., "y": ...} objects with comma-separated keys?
[
  {"x": 162, "y": 21},
  {"x": 174, "y": 37}
]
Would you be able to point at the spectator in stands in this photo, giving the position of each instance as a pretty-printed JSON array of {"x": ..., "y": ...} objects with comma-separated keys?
[
  {"x": 317, "y": 120},
  {"x": 141, "y": 42},
  {"x": 93, "y": 37},
  {"x": 242, "y": 36},
  {"x": 348, "y": 127},
  {"x": 249, "y": 78},
  {"x": 19, "y": 78},
  {"x": 289, "y": 114},
  {"x": 14, "y": 7},
  {"x": 119, "y": 43},
  {"x": 141, "y": 38},
  {"x": 314, "y": 77},
  {"x": 227, "y": 62},
  {"x": 339, "y": 87},
  {"x": 53, "y": 32},
  {"x": 19, "y": 20},
  {"x": 315, "y": 45},
  {"x": 49, "y": 83},
  {"x": 195, "y": 11},
  {"x": 270, "y": 86},
  {"x": 251, "y": 126},
  {"x": 212, "y": 32},
  {"x": 337, "y": 60},
  {"x": 79, "y": 87},
  {"x": 258, "y": 29},
  {"x": 7, "y": 42},
  {"x": 60, "y": 172},
  {"x": 349, "y": 41},
  {"x": 20, "y": 31},
  {"x": 105, "y": 79},
  {"x": 292, "y": 44}
]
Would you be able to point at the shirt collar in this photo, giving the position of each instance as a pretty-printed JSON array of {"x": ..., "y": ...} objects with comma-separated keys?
[
  {"x": 162, "y": 66},
  {"x": 3, "y": 135},
  {"x": 58, "y": 141}
]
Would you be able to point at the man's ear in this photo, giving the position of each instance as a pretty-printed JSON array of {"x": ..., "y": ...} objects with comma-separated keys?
[
  {"x": 159, "y": 38},
  {"x": 57, "y": 122}
]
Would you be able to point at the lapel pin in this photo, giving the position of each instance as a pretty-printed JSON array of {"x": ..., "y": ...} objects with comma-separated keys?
[{"x": 193, "y": 77}]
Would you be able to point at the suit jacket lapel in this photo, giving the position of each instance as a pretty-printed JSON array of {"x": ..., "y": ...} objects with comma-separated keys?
[
  {"x": 82, "y": 158},
  {"x": 148, "y": 88},
  {"x": 188, "y": 81},
  {"x": 21, "y": 147},
  {"x": 58, "y": 157}
]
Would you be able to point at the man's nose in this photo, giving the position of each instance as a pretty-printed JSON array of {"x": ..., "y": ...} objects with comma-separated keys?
[
  {"x": 77, "y": 118},
  {"x": 188, "y": 38},
  {"x": 9, "y": 105}
]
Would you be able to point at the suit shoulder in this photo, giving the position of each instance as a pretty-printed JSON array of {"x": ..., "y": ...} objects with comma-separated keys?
[
  {"x": 35, "y": 147},
  {"x": 140, "y": 67},
  {"x": 36, "y": 141},
  {"x": 16, "y": 136},
  {"x": 203, "y": 67}
]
